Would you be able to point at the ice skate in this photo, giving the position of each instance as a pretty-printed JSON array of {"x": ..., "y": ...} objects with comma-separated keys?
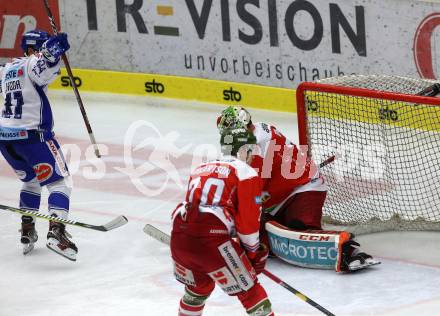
[
  {"x": 28, "y": 234},
  {"x": 354, "y": 260},
  {"x": 361, "y": 261},
  {"x": 58, "y": 241}
]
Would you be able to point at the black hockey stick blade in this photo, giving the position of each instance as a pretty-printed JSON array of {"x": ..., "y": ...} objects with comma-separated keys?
[
  {"x": 159, "y": 235},
  {"x": 115, "y": 223}
]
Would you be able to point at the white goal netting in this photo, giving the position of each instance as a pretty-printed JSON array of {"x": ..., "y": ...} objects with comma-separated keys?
[{"x": 386, "y": 175}]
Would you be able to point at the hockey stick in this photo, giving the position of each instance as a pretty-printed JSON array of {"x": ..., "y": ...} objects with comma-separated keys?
[
  {"x": 327, "y": 161},
  {"x": 298, "y": 294},
  {"x": 430, "y": 91},
  {"x": 159, "y": 235},
  {"x": 115, "y": 223},
  {"x": 72, "y": 83}
]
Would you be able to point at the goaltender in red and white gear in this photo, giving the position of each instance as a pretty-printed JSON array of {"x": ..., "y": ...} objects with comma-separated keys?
[
  {"x": 294, "y": 193},
  {"x": 215, "y": 234}
]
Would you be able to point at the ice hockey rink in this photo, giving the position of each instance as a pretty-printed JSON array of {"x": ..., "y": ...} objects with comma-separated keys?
[{"x": 149, "y": 145}]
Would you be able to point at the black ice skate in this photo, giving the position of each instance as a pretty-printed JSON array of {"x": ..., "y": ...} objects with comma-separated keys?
[
  {"x": 28, "y": 234},
  {"x": 58, "y": 241},
  {"x": 353, "y": 259}
]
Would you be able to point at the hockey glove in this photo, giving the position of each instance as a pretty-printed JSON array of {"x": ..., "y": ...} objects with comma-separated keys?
[
  {"x": 258, "y": 259},
  {"x": 54, "y": 47}
]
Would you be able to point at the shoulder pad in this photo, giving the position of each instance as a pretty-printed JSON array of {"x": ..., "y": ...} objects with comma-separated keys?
[
  {"x": 262, "y": 132},
  {"x": 242, "y": 169}
]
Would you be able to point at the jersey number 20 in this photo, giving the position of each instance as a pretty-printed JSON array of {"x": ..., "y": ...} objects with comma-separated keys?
[{"x": 210, "y": 182}]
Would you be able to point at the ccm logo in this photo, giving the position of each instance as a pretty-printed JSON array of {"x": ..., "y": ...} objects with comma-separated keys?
[
  {"x": 314, "y": 237},
  {"x": 65, "y": 81},
  {"x": 231, "y": 95},
  {"x": 154, "y": 87}
]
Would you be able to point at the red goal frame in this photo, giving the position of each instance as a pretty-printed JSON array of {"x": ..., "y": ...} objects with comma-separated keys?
[{"x": 357, "y": 92}]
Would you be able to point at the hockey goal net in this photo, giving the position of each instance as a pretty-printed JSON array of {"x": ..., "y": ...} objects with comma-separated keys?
[{"x": 386, "y": 139}]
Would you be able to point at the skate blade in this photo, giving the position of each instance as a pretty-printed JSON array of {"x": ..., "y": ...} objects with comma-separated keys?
[
  {"x": 68, "y": 253},
  {"x": 364, "y": 266},
  {"x": 27, "y": 248}
]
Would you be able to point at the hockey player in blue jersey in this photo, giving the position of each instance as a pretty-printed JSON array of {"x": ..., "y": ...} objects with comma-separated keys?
[{"x": 26, "y": 138}]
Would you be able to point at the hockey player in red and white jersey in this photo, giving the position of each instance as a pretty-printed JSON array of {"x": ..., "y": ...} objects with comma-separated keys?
[
  {"x": 215, "y": 234},
  {"x": 294, "y": 192}
]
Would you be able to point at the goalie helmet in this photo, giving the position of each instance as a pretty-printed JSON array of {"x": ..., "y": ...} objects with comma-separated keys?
[
  {"x": 34, "y": 39},
  {"x": 232, "y": 140},
  {"x": 233, "y": 117}
]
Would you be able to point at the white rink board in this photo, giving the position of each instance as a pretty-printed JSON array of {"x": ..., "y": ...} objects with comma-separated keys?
[
  {"x": 124, "y": 272},
  {"x": 277, "y": 43},
  {"x": 385, "y": 36}
]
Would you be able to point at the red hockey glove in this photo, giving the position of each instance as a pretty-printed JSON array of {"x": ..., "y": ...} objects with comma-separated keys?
[{"x": 258, "y": 259}]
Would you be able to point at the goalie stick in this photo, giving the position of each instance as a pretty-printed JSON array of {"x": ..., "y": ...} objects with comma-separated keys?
[
  {"x": 72, "y": 83},
  {"x": 327, "y": 161},
  {"x": 159, "y": 235},
  {"x": 430, "y": 91},
  {"x": 115, "y": 223}
]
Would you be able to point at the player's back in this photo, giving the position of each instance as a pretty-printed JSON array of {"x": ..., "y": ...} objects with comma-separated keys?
[
  {"x": 22, "y": 103},
  {"x": 231, "y": 190},
  {"x": 23, "y": 86},
  {"x": 282, "y": 166},
  {"x": 279, "y": 159},
  {"x": 215, "y": 183}
]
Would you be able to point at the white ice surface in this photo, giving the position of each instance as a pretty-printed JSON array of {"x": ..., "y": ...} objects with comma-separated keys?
[{"x": 124, "y": 272}]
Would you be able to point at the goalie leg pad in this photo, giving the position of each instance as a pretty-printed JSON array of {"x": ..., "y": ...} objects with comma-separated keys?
[{"x": 318, "y": 249}]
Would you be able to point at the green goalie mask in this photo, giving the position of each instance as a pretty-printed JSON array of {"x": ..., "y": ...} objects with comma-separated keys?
[
  {"x": 233, "y": 117},
  {"x": 232, "y": 140}
]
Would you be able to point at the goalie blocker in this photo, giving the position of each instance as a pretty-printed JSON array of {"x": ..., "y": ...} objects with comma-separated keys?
[{"x": 319, "y": 249}]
